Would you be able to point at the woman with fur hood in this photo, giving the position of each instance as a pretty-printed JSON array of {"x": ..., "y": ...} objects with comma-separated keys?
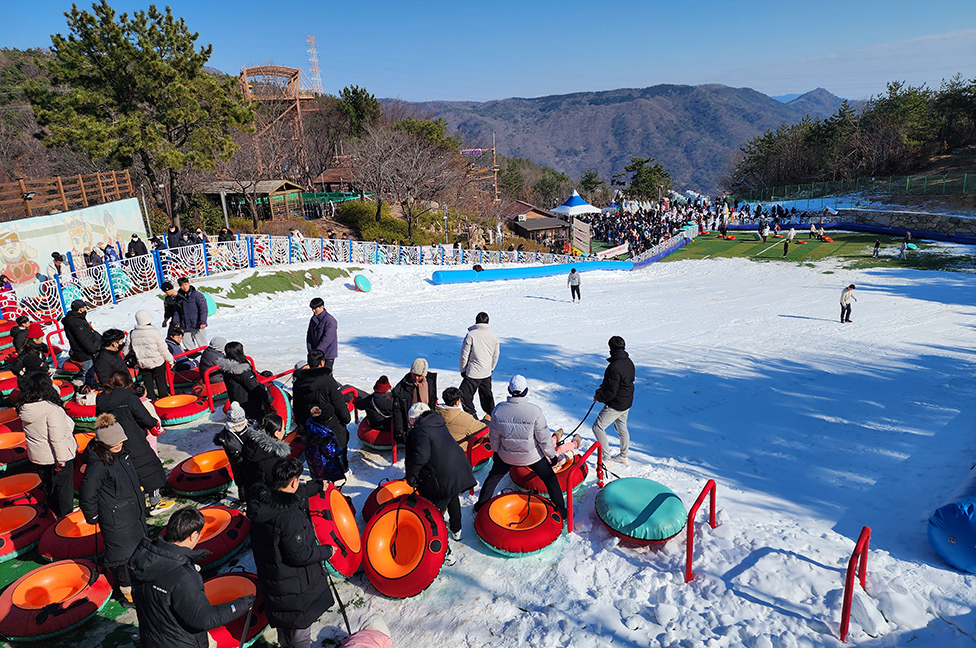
[
  {"x": 263, "y": 447},
  {"x": 242, "y": 384},
  {"x": 152, "y": 354}
]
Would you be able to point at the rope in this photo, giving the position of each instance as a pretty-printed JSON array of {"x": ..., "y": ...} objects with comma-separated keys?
[
  {"x": 584, "y": 418},
  {"x": 247, "y": 625},
  {"x": 528, "y": 509},
  {"x": 342, "y": 606}
]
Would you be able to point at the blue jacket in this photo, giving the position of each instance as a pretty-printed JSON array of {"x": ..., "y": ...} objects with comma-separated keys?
[
  {"x": 193, "y": 309},
  {"x": 323, "y": 334}
]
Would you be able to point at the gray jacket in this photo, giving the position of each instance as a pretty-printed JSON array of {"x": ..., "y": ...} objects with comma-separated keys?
[
  {"x": 479, "y": 352},
  {"x": 519, "y": 433}
]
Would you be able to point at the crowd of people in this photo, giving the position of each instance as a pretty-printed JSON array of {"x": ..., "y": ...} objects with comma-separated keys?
[{"x": 124, "y": 478}]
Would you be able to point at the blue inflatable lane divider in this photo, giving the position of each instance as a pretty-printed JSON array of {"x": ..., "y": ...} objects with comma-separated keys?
[{"x": 441, "y": 277}]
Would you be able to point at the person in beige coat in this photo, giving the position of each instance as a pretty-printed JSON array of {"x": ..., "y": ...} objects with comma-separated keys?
[
  {"x": 460, "y": 424},
  {"x": 479, "y": 355},
  {"x": 152, "y": 355},
  {"x": 51, "y": 443}
]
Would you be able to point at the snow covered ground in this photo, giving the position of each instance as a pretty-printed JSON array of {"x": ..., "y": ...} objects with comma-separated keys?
[{"x": 811, "y": 428}]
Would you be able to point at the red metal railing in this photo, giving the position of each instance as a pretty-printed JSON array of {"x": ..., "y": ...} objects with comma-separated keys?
[
  {"x": 469, "y": 453},
  {"x": 208, "y": 386},
  {"x": 859, "y": 563},
  {"x": 690, "y": 527},
  {"x": 569, "y": 479},
  {"x": 169, "y": 368}
]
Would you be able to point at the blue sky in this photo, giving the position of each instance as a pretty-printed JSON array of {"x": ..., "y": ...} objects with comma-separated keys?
[{"x": 462, "y": 50}]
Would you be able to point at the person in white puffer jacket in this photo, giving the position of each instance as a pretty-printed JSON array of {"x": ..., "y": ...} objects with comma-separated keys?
[
  {"x": 479, "y": 355},
  {"x": 152, "y": 355},
  {"x": 521, "y": 437}
]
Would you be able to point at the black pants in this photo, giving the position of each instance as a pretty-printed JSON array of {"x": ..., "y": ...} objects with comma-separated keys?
[
  {"x": 155, "y": 375},
  {"x": 845, "y": 313},
  {"x": 123, "y": 578},
  {"x": 59, "y": 487},
  {"x": 329, "y": 363},
  {"x": 541, "y": 468},
  {"x": 575, "y": 293},
  {"x": 453, "y": 507},
  {"x": 483, "y": 386}
]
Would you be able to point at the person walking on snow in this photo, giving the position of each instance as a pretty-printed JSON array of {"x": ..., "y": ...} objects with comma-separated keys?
[
  {"x": 790, "y": 235},
  {"x": 479, "y": 355},
  {"x": 193, "y": 314},
  {"x": 322, "y": 332},
  {"x": 877, "y": 247},
  {"x": 616, "y": 392},
  {"x": 573, "y": 281},
  {"x": 846, "y": 296}
]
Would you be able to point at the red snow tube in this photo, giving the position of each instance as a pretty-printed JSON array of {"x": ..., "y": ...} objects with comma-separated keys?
[
  {"x": 378, "y": 439},
  {"x": 219, "y": 390},
  {"x": 10, "y": 419},
  {"x": 65, "y": 389},
  {"x": 730, "y": 237},
  {"x": 225, "y": 534},
  {"x": 525, "y": 479},
  {"x": 827, "y": 239},
  {"x": 52, "y": 600},
  {"x": 71, "y": 537},
  {"x": 281, "y": 404},
  {"x": 335, "y": 523},
  {"x": 82, "y": 439},
  {"x": 182, "y": 408},
  {"x": 82, "y": 414},
  {"x": 405, "y": 544},
  {"x": 203, "y": 474},
  {"x": 70, "y": 368},
  {"x": 387, "y": 491},
  {"x": 5, "y": 326},
  {"x": 25, "y": 488},
  {"x": 226, "y": 588},
  {"x": 515, "y": 524},
  {"x": 21, "y": 527},
  {"x": 13, "y": 448},
  {"x": 186, "y": 377},
  {"x": 479, "y": 450},
  {"x": 8, "y": 382},
  {"x": 296, "y": 443}
]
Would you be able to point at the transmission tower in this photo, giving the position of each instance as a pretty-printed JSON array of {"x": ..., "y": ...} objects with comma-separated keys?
[{"x": 314, "y": 73}]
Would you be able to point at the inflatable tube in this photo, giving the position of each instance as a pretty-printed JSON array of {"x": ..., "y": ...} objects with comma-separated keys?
[
  {"x": 8, "y": 382},
  {"x": 25, "y": 488},
  {"x": 224, "y": 535},
  {"x": 6, "y": 342},
  {"x": 387, "y": 491},
  {"x": 5, "y": 326},
  {"x": 730, "y": 237},
  {"x": 296, "y": 443},
  {"x": 405, "y": 544},
  {"x": 65, "y": 390},
  {"x": 640, "y": 511},
  {"x": 204, "y": 474},
  {"x": 441, "y": 277},
  {"x": 375, "y": 439},
  {"x": 479, "y": 453},
  {"x": 69, "y": 369},
  {"x": 71, "y": 538},
  {"x": 952, "y": 528},
  {"x": 219, "y": 390},
  {"x": 179, "y": 409},
  {"x": 827, "y": 239},
  {"x": 362, "y": 283},
  {"x": 13, "y": 449},
  {"x": 224, "y": 589},
  {"x": 82, "y": 439},
  {"x": 187, "y": 377},
  {"x": 527, "y": 480},
  {"x": 52, "y": 600},
  {"x": 10, "y": 419},
  {"x": 517, "y": 524},
  {"x": 281, "y": 403},
  {"x": 335, "y": 524},
  {"x": 83, "y": 415},
  {"x": 910, "y": 246},
  {"x": 211, "y": 305},
  {"x": 21, "y": 528}
]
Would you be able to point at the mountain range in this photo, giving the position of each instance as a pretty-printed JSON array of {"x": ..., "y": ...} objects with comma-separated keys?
[{"x": 694, "y": 131}]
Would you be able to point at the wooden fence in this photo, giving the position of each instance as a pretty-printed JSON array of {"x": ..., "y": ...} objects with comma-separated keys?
[{"x": 26, "y": 198}]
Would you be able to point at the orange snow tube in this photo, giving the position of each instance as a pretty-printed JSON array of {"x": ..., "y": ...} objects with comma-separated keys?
[
  {"x": 226, "y": 588},
  {"x": 203, "y": 474},
  {"x": 405, "y": 545},
  {"x": 224, "y": 535},
  {"x": 182, "y": 408},
  {"x": 516, "y": 524},
  {"x": 71, "y": 537},
  {"x": 13, "y": 448},
  {"x": 25, "y": 488},
  {"x": 385, "y": 492},
  {"x": 568, "y": 478},
  {"x": 52, "y": 600},
  {"x": 21, "y": 527},
  {"x": 335, "y": 523}
]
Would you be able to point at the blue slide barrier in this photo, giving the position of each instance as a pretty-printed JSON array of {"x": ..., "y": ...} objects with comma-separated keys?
[
  {"x": 441, "y": 277},
  {"x": 952, "y": 528}
]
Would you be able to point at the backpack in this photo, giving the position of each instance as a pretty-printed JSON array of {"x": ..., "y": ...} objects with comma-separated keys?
[
  {"x": 232, "y": 443},
  {"x": 326, "y": 458}
]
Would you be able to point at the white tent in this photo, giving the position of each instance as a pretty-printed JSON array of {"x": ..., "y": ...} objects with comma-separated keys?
[{"x": 574, "y": 206}]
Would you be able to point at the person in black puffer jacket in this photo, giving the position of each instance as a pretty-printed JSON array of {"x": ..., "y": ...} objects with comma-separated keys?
[
  {"x": 210, "y": 357},
  {"x": 378, "y": 405},
  {"x": 242, "y": 384},
  {"x": 83, "y": 340},
  {"x": 171, "y": 604},
  {"x": 118, "y": 399},
  {"x": 110, "y": 496},
  {"x": 287, "y": 556},
  {"x": 418, "y": 386},
  {"x": 263, "y": 447},
  {"x": 108, "y": 360},
  {"x": 436, "y": 465},
  {"x": 316, "y": 387},
  {"x": 617, "y": 395}
]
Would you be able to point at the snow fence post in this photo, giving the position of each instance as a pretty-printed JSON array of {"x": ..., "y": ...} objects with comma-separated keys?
[
  {"x": 321, "y": 248},
  {"x": 536, "y": 256},
  {"x": 158, "y": 268},
  {"x": 289, "y": 250},
  {"x": 118, "y": 246},
  {"x": 250, "y": 251},
  {"x": 399, "y": 254},
  {"x": 349, "y": 247},
  {"x": 858, "y": 563},
  {"x": 206, "y": 260},
  {"x": 442, "y": 255},
  {"x": 111, "y": 287},
  {"x": 57, "y": 284},
  {"x": 71, "y": 262}
]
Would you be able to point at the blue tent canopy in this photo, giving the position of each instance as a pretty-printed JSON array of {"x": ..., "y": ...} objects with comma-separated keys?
[{"x": 574, "y": 206}]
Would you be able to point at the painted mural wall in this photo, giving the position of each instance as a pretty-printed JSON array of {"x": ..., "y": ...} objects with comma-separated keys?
[{"x": 26, "y": 245}]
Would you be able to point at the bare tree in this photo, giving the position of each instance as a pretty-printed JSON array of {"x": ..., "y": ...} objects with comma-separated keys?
[{"x": 376, "y": 155}]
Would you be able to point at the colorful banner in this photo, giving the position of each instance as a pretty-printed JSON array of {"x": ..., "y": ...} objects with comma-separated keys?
[
  {"x": 581, "y": 236},
  {"x": 26, "y": 245},
  {"x": 614, "y": 251}
]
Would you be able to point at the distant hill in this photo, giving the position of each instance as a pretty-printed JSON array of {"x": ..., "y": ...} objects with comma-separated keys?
[{"x": 692, "y": 130}]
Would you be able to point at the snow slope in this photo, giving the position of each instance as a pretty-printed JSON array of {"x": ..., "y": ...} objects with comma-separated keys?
[{"x": 811, "y": 429}]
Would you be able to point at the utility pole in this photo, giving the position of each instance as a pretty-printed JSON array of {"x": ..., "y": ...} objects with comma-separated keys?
[{"x": 494, "y": 164}]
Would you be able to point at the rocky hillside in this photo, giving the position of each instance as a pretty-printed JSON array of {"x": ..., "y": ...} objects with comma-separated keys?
[{"x": 692, "y": 130}]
